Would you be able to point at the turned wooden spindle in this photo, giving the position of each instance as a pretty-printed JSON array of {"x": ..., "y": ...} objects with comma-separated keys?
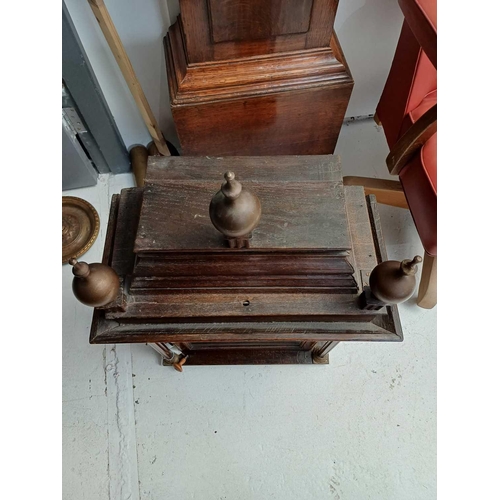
[{"x": 139, "y": 161}]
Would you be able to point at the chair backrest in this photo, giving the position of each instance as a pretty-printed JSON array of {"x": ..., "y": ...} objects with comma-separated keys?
[{"x": 413, "y": 73}]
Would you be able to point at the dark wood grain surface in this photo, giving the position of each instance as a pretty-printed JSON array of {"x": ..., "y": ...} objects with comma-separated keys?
[
  {"x": 254, "y": 19},
  {"x": 111, "y": 230},
  {"x": 257, "y": 77},
  {"x": 251, "y": 327},
  {"x": 364, "y": 254},
  {"x": 296, "y": 215},
  {"x": 256, "y": 307},
  {"x": 298, "y": 122},
  {"x": 292, "y": 168},
  {"x": 105, "y": 331},
  {"x": 246, "y": 306},
  {"x": 241, "y": 263},
  {"x": 260, "y": 356},
  {"x": 126, "y": 229},
  {"x": 302, "y": 239},
  {"x": 201, "y": 47}
]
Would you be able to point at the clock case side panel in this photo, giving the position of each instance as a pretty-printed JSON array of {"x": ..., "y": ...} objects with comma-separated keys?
[{"x": 204, "y": 44}]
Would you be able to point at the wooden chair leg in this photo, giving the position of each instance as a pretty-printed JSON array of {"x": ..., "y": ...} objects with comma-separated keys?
[
  {"x": 427, "y": 292},
  {"x": 387, "y": 192}
]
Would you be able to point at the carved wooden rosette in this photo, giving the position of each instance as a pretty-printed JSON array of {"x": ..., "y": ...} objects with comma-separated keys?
[{"x": 266, "y": 77}]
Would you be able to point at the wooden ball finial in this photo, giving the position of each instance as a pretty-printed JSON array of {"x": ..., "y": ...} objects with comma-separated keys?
[
  {"x": 393, "y": 282},
  {"x": 231, "y": 189},
  {"x": 409, "y": 267},
  {"x": 235, "y": 211},
  {"x": 94, "y": 285},
  {"x": 80, "y": 269}
]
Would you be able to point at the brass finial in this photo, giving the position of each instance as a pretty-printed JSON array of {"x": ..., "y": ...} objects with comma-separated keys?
[
  {"x": 231, "y": 188},
  {"x": 94, "y": 285},
  {"x": 409, "y": 267},
  {"x": 392, "y": 282},
  {"x": 235, "y": 211},
  {"x": 80, "y": 269}
]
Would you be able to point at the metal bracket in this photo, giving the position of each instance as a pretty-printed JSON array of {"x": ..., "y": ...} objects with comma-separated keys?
[
  {"x": 171, "y": 355},
  {"x": 74, "y": 121}
]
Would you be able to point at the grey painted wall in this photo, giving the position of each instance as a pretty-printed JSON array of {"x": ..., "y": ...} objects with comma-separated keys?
[
  {"x": 141, "y": 25},
  {"x": 81, "y": 90}
]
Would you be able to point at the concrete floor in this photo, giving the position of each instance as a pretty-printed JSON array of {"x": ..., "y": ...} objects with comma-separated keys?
[{"x": 363, "y": 427}]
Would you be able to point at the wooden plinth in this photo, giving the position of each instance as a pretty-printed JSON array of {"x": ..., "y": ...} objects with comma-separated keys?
[{"x": 257, "y": 78}]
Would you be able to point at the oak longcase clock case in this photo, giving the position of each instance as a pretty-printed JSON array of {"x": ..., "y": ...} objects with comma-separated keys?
[{"x": 257, "y": 77}]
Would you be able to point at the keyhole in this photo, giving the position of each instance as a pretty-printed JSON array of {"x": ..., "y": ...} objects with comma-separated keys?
[{"x": 246, "y": 303}]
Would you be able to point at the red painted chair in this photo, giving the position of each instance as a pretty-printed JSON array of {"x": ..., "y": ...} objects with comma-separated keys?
[{"x": 408, "y": 113}]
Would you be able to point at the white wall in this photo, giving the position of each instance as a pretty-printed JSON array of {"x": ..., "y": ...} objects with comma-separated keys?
[{"x": 368, "y": 31}]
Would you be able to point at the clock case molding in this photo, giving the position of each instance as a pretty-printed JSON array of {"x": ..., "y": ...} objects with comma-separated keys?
[{"x": 260, "y": 77}]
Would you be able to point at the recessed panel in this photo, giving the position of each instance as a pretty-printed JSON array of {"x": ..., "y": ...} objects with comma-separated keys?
[{"x": 238, "y": 20}]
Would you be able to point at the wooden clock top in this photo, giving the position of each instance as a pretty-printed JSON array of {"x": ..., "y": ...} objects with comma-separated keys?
[{"x": 302, "y": 198}]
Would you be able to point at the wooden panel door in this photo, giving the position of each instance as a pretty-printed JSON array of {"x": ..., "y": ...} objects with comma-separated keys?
[{"x": 232, "y": 20}]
